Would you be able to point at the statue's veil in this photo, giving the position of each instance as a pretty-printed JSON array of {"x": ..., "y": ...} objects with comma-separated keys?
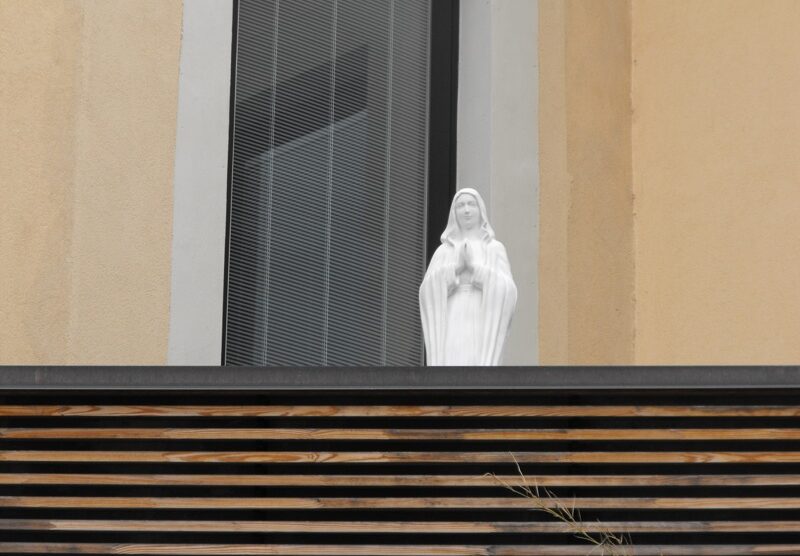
[{"x": 452, "y": 232}]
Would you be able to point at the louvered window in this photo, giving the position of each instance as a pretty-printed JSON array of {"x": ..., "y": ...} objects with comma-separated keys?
[{"x": 330, "y": 182}]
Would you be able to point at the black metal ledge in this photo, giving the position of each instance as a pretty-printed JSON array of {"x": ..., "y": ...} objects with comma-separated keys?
[{"x": 383, "y": 378}]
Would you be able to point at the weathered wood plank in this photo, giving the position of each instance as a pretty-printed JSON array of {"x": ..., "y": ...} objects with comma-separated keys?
[
  {"x": 401, "y": 434},
  {"x": 401, "y": 457},
  {"x": 394, "y": 480},
  {"x": 410, "y": 527},
  {"x": 224, "y": 526},
  {"x": 399, "y": 411},
  {"x": 510, "y": 501},
  {"x": 387, "y": 550}
]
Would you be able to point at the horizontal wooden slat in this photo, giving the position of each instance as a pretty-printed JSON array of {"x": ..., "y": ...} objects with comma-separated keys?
[
  {"x": 399, "y": 411},
  {"x": 223, "y": 526},
  {"x": 625, "y": 507},
  {"x": 393, "y": 502},
  {"x": 394, "y": 480},
  {"x": 401, "y": 457},
  {"x": 388, "y": 550},
  {"x": 402, "y": 434}
]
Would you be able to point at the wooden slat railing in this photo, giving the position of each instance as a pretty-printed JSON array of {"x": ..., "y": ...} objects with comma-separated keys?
[{"x": 393, "y": 474}]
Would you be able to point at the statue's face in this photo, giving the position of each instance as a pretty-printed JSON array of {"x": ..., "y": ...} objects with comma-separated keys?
[{"x": 468, "y": 214}]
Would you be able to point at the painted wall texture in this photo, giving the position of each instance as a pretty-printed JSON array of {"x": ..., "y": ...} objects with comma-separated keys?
[
  {"x": 88, "y": 97},
  {"x": 670, "y": 182},
  {"x": 716, "y": 174},
  {"x": 586, "y": 202}
]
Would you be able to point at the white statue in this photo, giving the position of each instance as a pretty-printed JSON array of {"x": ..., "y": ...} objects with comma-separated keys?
[{"x": 467, "y": 297}]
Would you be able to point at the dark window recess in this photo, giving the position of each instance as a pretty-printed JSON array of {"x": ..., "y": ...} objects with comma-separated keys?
[{"x": 338, "y": 170}]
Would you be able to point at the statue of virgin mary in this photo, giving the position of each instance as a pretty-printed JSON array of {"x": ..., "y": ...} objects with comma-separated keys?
[{"x": 467, "y": 296}]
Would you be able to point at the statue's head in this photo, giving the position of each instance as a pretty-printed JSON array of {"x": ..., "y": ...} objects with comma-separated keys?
[{"x": 467, "y": 216}]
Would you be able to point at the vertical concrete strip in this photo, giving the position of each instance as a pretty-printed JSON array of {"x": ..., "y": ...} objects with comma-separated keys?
[
  {"x": 201, "y": 165},
  {"x": 41, "y": 54},
  {"x": 474, "y": 141},
  {"x": 515, "y": 163},
  {"x": 124, "y": 144},
  {"x": 498, "y": 142}
]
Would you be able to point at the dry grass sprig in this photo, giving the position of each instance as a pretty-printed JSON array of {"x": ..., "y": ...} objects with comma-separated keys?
[{"x": 604, "y": 542}]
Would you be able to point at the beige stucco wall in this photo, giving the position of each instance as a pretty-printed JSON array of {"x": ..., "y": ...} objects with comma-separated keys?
[
  {"x": 669, "y": 175},
  {"x": 717, "y": 180},
  {"x": 88, "y": 94},
  {"x": 586, "y": 202},
  {"x": 711, "y": 91}
]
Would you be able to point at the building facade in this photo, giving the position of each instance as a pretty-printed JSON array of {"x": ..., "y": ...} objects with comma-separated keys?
[{"x": 636, "y": 157}]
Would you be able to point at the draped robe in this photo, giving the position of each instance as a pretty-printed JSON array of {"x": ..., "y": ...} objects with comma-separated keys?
[{"x": 491, "y": 276}]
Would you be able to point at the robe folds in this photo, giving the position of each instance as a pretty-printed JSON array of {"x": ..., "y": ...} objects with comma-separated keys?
[{"x": 442, "y": 292}]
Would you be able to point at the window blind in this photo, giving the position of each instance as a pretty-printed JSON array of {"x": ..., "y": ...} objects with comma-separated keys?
[{"x": 329, "y": 182}]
